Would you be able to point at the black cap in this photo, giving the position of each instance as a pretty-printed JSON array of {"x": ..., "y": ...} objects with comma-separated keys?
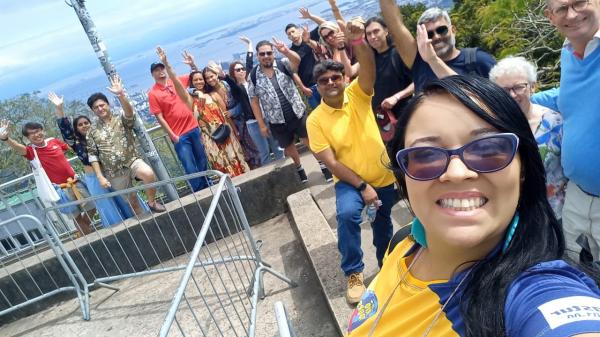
[{"x": 156, "y": 65}]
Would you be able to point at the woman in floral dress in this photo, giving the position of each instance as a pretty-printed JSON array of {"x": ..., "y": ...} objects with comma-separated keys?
[{"x": 228, "y": 156}]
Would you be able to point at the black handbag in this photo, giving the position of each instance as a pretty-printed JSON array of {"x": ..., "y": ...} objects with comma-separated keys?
[{"x": 221, "y": 133}]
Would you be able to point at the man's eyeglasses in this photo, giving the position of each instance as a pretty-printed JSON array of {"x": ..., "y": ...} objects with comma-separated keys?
[
  {"x": 332, "y": 78},
  {"x": 265, "y": 53},
  {"x": 483, "y": 155},
  {"x": 518, "y": 88},
  {"x": 577, "y": 6},
  {"x": 239, "y": 69},
  {"x": 441, "y": 31}
]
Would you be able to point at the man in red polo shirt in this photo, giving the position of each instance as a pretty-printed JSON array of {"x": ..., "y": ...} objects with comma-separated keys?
[
  {"x": 50, "y": 152},
  {"x": 179, "y": 123}
]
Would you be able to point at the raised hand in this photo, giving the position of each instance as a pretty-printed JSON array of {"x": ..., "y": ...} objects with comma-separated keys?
[
  {"x": 188, "y": 58},
  {"x": 305, "y": 34},
  {"x": 246, "y": 40},
  {"x": 162, "y": 55},
  {"x": 355, "y": 29},
  {"x": 4, "y": 125},
  {"x": 116, "y": 86},
  {"x": 424, "y": 45},
  {"x": 55, "y": 99},
  {"x": 280, "y": 46},
  {"x": 304, "y": 13}
]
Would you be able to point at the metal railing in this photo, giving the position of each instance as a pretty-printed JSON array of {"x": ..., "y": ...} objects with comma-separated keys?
[{"x": 221, "y": 282}]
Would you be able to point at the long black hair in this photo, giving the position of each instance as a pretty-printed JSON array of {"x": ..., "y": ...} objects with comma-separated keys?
[
  {"x": 78, "y": 136},
  {"x": 538, "y": 236}
]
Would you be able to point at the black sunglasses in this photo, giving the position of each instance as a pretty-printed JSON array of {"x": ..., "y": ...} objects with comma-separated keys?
[
  {"x": 441, "y": 31},
  {"x": 239, "y": 69},
  {"x": 483, "y": 155},
  {"x": 265, "y": 53},
  {"x": 332, "y": 78}
]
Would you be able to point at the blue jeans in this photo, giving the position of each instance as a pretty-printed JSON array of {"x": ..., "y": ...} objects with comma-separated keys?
[
  {"x": 315, "y": 99},
  {"x": 190, "y": 152},
  {"x": 349, "y": 205},
  {"x": 264, "y": 145}
]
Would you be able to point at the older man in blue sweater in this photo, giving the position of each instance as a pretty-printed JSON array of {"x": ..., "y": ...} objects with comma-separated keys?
[{"x": 579, "y": 102}]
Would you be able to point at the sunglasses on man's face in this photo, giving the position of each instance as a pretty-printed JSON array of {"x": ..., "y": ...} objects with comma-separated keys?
[
  {"x": 265, "y": 53},
  {"x": 332, "y": 78},
  {"x": 240, "y": 69},
  {"x": 483, "y": 155},
  {"x": 441, "y": 31}
]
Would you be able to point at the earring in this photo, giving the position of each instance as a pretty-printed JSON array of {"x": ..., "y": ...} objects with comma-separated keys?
[
  {"x": 418, "y": 232},
  {"x": 510, "y": 232}
]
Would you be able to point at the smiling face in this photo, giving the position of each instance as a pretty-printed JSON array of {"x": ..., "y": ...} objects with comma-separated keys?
[
  {"x": 101, "y": 109},
  {"x": 83, "y": 125},
  {"x": 377, "y": 36},
  {"x": 211, "y": 78},
  {"x": 331, "y": 85},
  {"x": 159, "y": 74},
  {"x": 198, "y": 81},
  {"x": 442, "y": 44},
  {"x": 519, "y": 88},
  {"x": 295, "y": 35},
  {"x": 578, "y": 25},
  {"x": 265, "y": 56},
  {"x": 329, "y": 36},
  {"x": 462, "y": 208},
  {"x": 36, "y": 136}
]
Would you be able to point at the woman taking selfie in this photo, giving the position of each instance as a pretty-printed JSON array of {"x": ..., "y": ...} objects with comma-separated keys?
[{"x": 484, "y": 257}]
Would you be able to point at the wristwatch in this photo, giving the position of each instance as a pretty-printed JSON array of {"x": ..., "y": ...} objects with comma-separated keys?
[{"x": 362, "y": 186}]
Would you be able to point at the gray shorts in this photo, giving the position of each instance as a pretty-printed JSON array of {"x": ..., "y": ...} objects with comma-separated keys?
[{"x": 70, "y": 194}]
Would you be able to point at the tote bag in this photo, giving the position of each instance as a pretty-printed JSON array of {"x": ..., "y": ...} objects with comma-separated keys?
[{"x": 45, "y": 189}]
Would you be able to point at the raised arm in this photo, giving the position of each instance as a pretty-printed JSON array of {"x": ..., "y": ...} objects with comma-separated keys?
[
  {"x": 364, "y": 54},
  {"x": 5, "y": 137},
  {"x": 305, "y": 14},
  {"x": 337, "y": 14},
  {"x": 117, "y": 89},
  {"x": 249, "y": 54},
  {"x": 439, "y": 67},
  {"x": 290, "y": 54},
  {"x": 189, "y": 60},
  {"x": 64, "y": 124},
  {"x": 179, "y": 88},
  {"x": 406, "y": 45}
]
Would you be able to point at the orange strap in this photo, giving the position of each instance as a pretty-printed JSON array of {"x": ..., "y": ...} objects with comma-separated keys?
[{"x": 72, "y": 184}]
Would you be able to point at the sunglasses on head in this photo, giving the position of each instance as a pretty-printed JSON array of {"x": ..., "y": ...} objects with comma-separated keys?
[
  {"x": 265, "y": 53},
  {"x": 239, "y": 69},
  {"x": 441, "y": 31},
  {"x": 483, "y": 155},
  {"x": 332, "y": 78}
]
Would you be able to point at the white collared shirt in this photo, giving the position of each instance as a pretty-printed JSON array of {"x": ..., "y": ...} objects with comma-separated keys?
[{"x": 589, "y": 48}]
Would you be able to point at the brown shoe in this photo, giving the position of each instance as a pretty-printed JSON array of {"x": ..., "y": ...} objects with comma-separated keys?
[
  {"x": 156, "y": 207},
  {"x": 356, "y": 288}
]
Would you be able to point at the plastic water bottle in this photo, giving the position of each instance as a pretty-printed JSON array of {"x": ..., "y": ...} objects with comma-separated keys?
[{"x": 370, "y": 211}]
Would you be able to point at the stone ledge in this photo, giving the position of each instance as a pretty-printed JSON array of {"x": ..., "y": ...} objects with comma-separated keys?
[{"x": 321, "y": 247}]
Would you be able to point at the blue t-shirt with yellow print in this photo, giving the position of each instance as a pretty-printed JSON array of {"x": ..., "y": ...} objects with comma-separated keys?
[{"x": 549, "y": 299}]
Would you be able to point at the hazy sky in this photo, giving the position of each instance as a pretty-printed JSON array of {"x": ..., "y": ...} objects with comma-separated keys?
[{"x": 43, "y": 41}]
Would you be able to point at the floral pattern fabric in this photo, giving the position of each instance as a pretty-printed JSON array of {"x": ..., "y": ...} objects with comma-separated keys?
[
  {"x": 227, "y": 157},
  {"x": 267, "y": 95},
  {"x": 549, "y": 138},
  {"x": 113, "y": 144}
]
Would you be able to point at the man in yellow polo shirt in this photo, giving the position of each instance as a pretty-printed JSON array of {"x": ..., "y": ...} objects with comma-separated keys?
[{"x": 343, "y": 133}]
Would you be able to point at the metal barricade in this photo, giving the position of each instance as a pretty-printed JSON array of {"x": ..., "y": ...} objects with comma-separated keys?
[
  {"x": 225, "y": 268},
  {"x": 219, "y": 291},
  {"x": 38, "y": 274},
  {"x": 283, "y": 323}
]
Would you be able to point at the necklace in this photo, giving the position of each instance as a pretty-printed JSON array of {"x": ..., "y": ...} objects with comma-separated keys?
[{"x": 402, "y": 279}]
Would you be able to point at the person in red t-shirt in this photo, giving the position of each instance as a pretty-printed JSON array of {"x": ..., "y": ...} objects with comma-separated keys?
[
  {"x": 50, "y": 152},
  {"x": 179, "y": 123}
]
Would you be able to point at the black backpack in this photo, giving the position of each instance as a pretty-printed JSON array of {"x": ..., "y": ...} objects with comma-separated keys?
[
  {"x": 471, "y": 61},
  {"x": 400, "y": 235},
  {"x": 284, "y": 69}
]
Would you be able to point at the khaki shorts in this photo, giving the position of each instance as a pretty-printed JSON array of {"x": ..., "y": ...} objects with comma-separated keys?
[{"x": 125, "y": 179}]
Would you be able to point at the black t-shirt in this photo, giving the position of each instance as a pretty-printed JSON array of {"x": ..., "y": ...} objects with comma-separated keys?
[
  {"x": 307, "y": 63},
  {"x": 392, "y": 75},
  {"x": 422, "y": 73}
]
